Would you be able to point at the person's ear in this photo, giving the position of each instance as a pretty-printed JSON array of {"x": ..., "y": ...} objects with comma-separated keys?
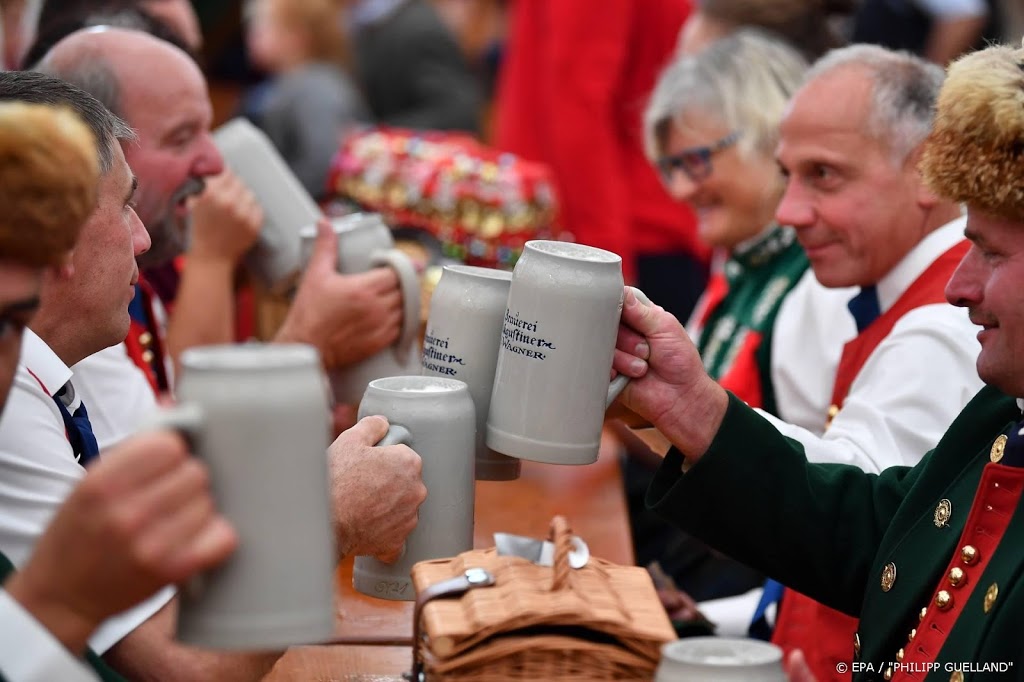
[{"x": 924, "y": 195}]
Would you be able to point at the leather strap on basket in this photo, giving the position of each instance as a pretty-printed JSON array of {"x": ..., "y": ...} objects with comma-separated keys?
[
  {"x": 446, "y": 589},
  {"x": 561, "y": 537}
]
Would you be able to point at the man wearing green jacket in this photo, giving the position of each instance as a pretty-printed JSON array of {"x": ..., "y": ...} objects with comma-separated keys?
[{"x": 928, "y": 557}]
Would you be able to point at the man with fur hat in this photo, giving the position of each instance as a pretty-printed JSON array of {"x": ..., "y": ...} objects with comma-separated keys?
[{"x": 928, "y": 556}]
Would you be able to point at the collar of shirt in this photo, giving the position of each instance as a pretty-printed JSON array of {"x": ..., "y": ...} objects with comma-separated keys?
[
  {"x": 42, "y": 363},
  {"x": 897, "y": 280}
]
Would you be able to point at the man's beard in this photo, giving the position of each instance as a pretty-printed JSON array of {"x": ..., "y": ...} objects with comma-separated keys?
[
  {"x": 169, "y": 236},
  {"x": 169, "y": 233}
]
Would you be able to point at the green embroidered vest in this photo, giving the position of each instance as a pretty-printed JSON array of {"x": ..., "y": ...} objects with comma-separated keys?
[{"x": 735, "y": 341}]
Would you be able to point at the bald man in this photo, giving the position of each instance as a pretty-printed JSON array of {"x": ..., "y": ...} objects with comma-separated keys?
[
  {"x": 162, "y": 94},
  {"x": 347, "y": 317}
]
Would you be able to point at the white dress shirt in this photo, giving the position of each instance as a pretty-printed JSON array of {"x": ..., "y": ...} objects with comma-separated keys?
[
  {"x": 116, "y": 393},
  {"x": 810, "y": 331},
  {"x": 913, "y": 384},
  {"x": 29, "y": 653},
  {"x": 902, "y": 401},
  {"x": 813, "y": 319},
  {"x": 38, "y": 471}
]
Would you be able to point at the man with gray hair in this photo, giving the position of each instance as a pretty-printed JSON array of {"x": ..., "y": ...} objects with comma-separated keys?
[
  {"x": 46, "y": 436},
  {"x": 187, "y": 195},
  {"x": 928, "y": 556},
  {"x": 849, "y": 146}
]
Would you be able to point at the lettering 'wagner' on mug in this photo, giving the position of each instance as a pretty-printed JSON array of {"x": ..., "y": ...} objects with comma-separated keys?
[{"x": 551, "y": 384}]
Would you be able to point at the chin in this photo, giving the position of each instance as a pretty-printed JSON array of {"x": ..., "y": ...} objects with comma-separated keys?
[
  {"x": 831, "y": 277},
  {"x": 119, "y": 333},
  {"x": 1005, "y": 379}
]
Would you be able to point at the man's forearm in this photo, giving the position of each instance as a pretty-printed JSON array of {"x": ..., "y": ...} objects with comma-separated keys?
[
  {"x": 67, "y": 627},
  {"x": 693, "y": 425},
  {"x": 204, "y": 311}
]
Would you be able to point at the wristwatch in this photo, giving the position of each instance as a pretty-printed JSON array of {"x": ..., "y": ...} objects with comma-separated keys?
[{"x": 446, "y": 589}]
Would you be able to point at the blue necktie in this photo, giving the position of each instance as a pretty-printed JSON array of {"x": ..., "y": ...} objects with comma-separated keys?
[
  {"x": 1013, "y": 454},
  {"x": 80, "y": 434},
  {"x": 865, "y": 307},
  {"x": 760, "y": 628}
]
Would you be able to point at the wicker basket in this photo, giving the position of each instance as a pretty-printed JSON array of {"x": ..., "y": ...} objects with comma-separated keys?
[{"x": 600, "y": 622}]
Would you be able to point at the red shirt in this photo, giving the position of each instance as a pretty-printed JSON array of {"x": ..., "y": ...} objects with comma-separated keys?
[{"x": 575, "y": 82}]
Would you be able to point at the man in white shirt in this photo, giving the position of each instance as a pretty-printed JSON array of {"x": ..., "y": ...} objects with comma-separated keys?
[
  {"x": 849, "y": 145},
  {"x": 84, "y": 308},
  {"x": 347, "y": 317},
  {"x": 124, "y": 532}
]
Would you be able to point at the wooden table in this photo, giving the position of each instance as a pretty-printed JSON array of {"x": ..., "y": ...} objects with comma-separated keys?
[{"x": 591, "y": 497}]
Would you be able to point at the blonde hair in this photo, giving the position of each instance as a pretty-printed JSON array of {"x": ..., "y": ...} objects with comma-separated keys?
[
  {"x": 744, "y": 80},
  {"x": 321, "y": 21},
  {"x": 49, "y": 181},
  {"x": 974, "y": 152}
]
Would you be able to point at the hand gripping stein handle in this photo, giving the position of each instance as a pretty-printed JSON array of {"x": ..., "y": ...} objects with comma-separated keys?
[
  {"x": 619, "y": 383},
  {"x": 396, "y": 435}
]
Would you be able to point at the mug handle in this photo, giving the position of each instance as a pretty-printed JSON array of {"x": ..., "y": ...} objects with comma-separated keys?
[
  {"x": 618, "y": 384},
  {"x": 396, "y": 434},
  {"x": 185, "y": 418},
  {"x": 188, "y": 420},
  {"x": 410, "y": 285}
]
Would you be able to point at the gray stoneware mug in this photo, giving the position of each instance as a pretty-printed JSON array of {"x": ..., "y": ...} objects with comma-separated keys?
[
  {"x": 551, "y": 386},
  {"x": 467, "y": 310},
  {"x": 435, "y": 417},
  {"x": 258, "y": 417},
  {"x": 720, "y": 659},
  {"x": 365, "y": 242},
  {"x": 287, "y": 206}
]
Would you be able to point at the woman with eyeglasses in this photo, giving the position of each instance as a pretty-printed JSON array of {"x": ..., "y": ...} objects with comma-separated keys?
[{"x": 710, "y": 128}]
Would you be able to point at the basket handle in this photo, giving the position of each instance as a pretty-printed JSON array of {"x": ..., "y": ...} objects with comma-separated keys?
[{"x": 561, "y": 537}]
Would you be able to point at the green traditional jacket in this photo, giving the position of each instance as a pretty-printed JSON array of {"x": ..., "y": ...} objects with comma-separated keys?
[
  {"x": 104, "y": 671},
  {"x": 736, "y": 337},
  {"x": 880, "y": 546}
]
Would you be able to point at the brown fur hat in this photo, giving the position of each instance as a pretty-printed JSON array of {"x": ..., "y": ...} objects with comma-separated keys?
[
  {"x": 49, "y": 180},
  {"x": 975, "y": 153}
]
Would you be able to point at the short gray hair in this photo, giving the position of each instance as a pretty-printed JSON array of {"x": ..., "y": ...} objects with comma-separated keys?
[
  {"x": 904, "y": 92},
  {"x": 39, "y": 88},
  {"x": 744, "y": 79}
]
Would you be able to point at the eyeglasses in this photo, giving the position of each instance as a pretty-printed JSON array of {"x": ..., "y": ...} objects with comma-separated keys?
[{"x": 695, "y": 161}]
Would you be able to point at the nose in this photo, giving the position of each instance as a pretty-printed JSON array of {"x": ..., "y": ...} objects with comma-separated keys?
[
  {"x": 795, "y": 207},
  {"x": 140, "y": 235},
  {"x": 966, "y": 288},
  {"x": 679, "y": 185},
  {"x": 209, "y": 162}
]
